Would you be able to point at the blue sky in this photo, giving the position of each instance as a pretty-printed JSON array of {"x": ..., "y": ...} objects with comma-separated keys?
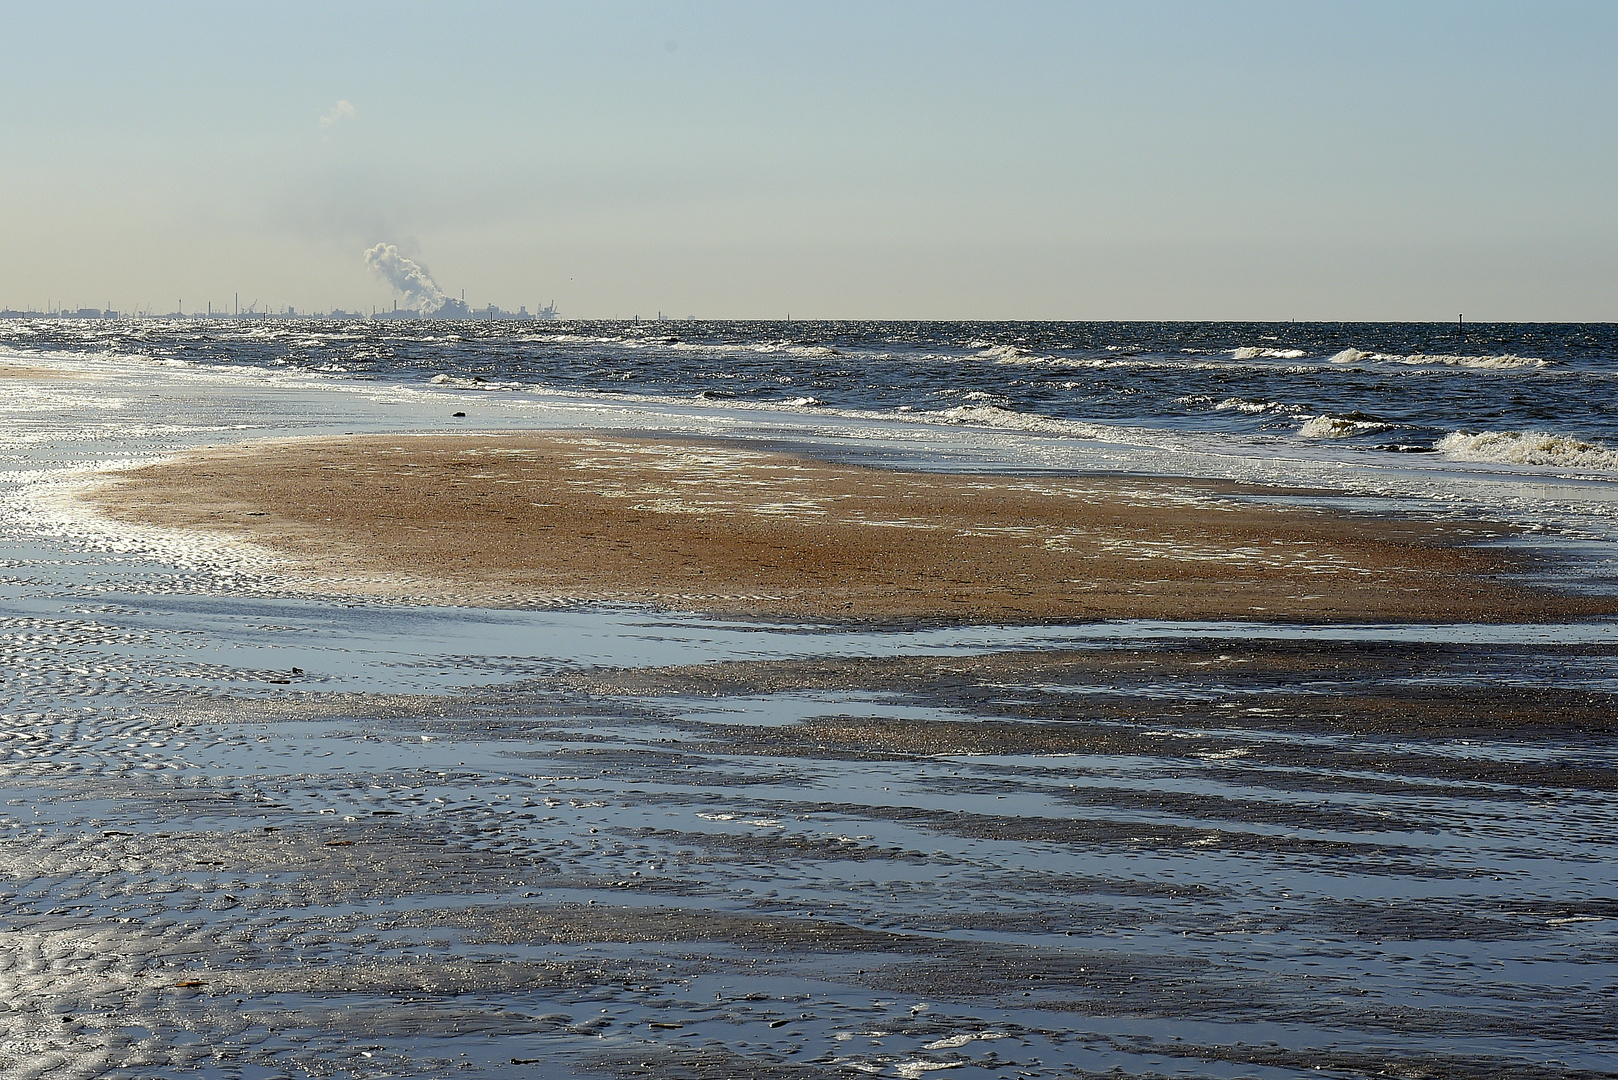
[{"x": 943, "y": 160}]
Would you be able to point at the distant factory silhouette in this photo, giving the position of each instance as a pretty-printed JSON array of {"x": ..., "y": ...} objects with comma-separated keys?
[
  {"x": 450, "y": 309},
  {"x": 421, "y": 296}
]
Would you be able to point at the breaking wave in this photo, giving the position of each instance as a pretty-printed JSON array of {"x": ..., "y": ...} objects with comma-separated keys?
[
  {"x": 995, "y": 416},
  {"x": 1339, "y": 427},
  {"x": 1529, "y": 448},
  {"x": 1251, "y": 353},
  {"x": 1506, "y": 360},
  {"x": 1251, "y": 407},
  {"x": 1005, "y": 354}
]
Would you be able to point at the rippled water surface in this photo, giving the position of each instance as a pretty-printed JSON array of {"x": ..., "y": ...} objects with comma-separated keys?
[{"x": 1381, "y": 387}]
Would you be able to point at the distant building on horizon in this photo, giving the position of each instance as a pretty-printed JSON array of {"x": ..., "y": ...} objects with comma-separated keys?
[
  {"x": 457, "y": 309},
  {"x": 454, "y": 309},
  {"x": 61, "y": 313}
]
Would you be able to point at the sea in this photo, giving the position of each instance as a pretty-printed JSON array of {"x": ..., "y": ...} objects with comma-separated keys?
[
  {"x": 253, "y": 833},
  {"x": 1522, "y": 394},
  {"x": 1456, "y": 405}
]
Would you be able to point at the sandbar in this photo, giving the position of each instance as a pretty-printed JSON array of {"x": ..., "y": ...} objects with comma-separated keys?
[{"x": 728, "y": 527}]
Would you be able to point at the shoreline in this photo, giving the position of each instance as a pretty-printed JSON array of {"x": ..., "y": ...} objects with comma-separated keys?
[{"x": 725, "y": 528}]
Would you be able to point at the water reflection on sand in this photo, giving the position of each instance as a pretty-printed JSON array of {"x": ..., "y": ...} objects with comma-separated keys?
[{"x": 864, "y": 852}]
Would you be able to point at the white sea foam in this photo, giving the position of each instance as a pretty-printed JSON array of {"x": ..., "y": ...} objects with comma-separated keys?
[
  {"x": 1338, "y": 427},
  {"x": 1007, "y": 354},
  {"x": 953, "y": 1042},
  {"x": 767, "y": 348},
  {"x": 995, "y": 416},
  {"x": 1502, "y": 361},
  {"x": 1253, "y": 353},
  {"x": 1529, "y": 448},
  {"x": 1245, "y": 405},
  {"x": 914, "y": 1070},
  {"x": 473, "y": 383}
]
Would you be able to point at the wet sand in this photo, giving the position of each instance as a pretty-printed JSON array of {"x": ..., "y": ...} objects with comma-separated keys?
[
  {"x": 1144, "y": 860},
  {"x": 729, "y": 528}
]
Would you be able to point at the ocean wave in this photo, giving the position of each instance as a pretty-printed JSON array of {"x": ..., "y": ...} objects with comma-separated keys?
[
  {"x": 1339, "y": 427},
  {"x": 995, "y": 416},
  {"x": 755, "y": 348},
  {"x": 1005, "y": 354},
  {"x": 1507, "y": 360},
  {"x": 1528, "y": 448},
  {"x": 1502, "y": 361},
  {"x": 77, "y": 359},
  {"x": 568, "y": 339},
  {"x": 1094, "y": 363},
  {"x": 1252, "y": 353},
  {"x": 1251, "y": 407}
]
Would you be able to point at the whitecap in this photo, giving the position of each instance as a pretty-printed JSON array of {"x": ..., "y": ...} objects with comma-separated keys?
[
  {"x": 1246, "y": 405},
  {"x": 1338, "y": 427},
  {"x": 995, "y": 416},
  {"x": 1528, "y": 448},
  {"x": 1248, "y": 352},
  {"x": 1503, "y": 361},
  {"x": 1007, "y": 354}
]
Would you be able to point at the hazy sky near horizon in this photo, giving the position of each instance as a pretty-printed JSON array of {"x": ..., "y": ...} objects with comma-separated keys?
[{"x": 1361, "y": 160}]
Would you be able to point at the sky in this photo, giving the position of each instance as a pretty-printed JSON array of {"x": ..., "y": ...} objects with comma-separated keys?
[{"x": 1143, "y": 160}]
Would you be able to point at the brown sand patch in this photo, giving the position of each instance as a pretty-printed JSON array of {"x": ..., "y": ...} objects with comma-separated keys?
[
  {"x": 23, "y": 371},
  {"x": 727, "y": 528}
]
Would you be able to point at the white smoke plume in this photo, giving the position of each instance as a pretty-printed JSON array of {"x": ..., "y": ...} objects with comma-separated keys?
[
  {"x": 340, "y": 111},
  {"x": 409, "y": 278}
]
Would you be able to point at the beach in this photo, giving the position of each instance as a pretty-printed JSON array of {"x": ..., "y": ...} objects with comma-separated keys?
[
  {"x": 598, "y": 738},
  {"x": 732, "y": 528}
]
